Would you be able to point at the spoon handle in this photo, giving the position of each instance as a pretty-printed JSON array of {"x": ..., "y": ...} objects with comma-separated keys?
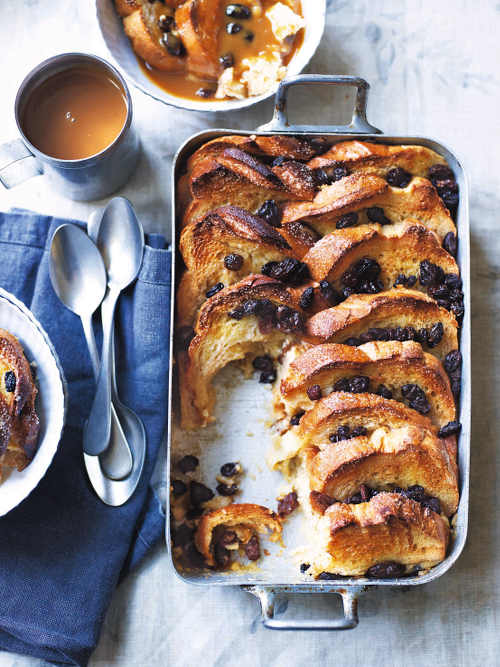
[{"x": 98, "y": 427}]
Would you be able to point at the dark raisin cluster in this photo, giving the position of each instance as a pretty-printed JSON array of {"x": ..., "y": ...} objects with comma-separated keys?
[
  {"x": 287, "y": 504},
  {"x": 331, "y": 174},
  {"x": 416, "y": 398},
  {"x": 387, "y": 570},
  {"x": 446, "y": 289},
  {"x": 295, "y": 420},
  {"x": 453, "y": 366},
  {"x": 431, "y": 336},
  {"x": 266, "y": 365},
  {"x": 376, "y": 214},
  {"x": 451, "y": 428},
  {"x": 415, "y": 492},
  {"x": 347, "y": 220},
  {"x": 329, "y": 294},
  {"x": 443, "y": 179},
  {"x": 398, "y": 177},
  {"x": 10, "y": 381},
  {"x": 344, "y": 433},
  {"x": 405, "y": 281},
  {"x": 270, "y": 315},
  {"x": 362, "y": 278},
  {"x": 289, "y": 271},
  {"x": 359, "y": 384},
  {"x": 233, "y": 262},
  {"x": 306, "y": 298},
  {"x": 271, "y": 213},
  {"x": 213, "y": 290}
]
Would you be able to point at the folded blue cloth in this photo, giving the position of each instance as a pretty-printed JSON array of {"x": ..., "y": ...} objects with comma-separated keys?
[{"x": 62, "y": 551}]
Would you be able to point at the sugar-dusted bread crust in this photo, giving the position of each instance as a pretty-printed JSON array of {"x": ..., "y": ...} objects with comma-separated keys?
[
  {"x": 391, "y": 364},
  {"x": 383, "y": 459},
  {"x": 221, "y": 339},
  {"x": 199, "y": 23},
  {"x": 389, "y": 527},
  {"x": 394, "y": 308},
  {"x": 358, "y": 192},
  {"x": 19, "y": 424},
  {"x": 258, "y": 518},
  {"x": 204, "y": 245},
  {"x": 398, "y": 249},
  {"x": 368, "y": 157},
  {"x": 141, "y": 28}
]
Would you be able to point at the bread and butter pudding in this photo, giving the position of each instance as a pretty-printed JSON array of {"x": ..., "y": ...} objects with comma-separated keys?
[
  {"x": 214, "y": 49},
  {"x": 330, "y": 268},
  {"x": 19, "y": 424}
]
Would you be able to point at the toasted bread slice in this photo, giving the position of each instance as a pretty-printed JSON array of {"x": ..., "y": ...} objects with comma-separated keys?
[
  {"x": 398, "y": 250},
  {"x": 383, "y": 459},
  {"x": 199, "y": 23},
  {"x": 359, "y": 194},
  {"x": 205, "y": 244},
  {"x": 141, "y": 27},
  {"x": 351, "y": 539},
  {"x": 378, "y": 159},
  {"x": 229, "y": 327},
  {"x": 363, "y": 316},
  {"x": 238, "y": 522},
  {"x": 391, "y": 364}
]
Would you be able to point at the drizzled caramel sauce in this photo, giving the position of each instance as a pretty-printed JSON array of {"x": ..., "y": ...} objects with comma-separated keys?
[
  {"x": 75, "y": 114},
  {"x": 255, "y": 38}
]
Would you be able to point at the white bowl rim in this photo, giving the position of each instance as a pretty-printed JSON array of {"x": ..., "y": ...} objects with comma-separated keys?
[
  {"x": 307, "y": 50},
  {"x": 42, "y": 469}
]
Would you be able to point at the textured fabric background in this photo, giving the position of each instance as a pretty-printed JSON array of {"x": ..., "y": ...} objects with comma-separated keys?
[{"x": 433, "y": 68}]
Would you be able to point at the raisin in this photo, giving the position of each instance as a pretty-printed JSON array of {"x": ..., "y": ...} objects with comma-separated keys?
[
  {"x": 398, "y": 177},
  {"x": 306, "y": 298},
  {"x": 451, "y": 428},
  {"x": 422, "y": 336},
  {"x": 10, "y": 381},
  {"x": 227, "y": 489},
  {"x": 343, "y": 432},
  {"x": 388, "y": 570},
  {"x": 236, "y": 314},
  {"x": 321, "y": 177},
  {"x": 289, "y": 271},
  {"x": 199, "y": 493},
  {"x": 448, "y": 191},
  {"x": 233, "y": 28},
  {"x": 416, "y": 398},
  {"x": 281, "y": 159},
  {"x": 173, "y": 44},
  {"x": 304, "y": 567},
  {"x": 252, "y": 548},
  {"x": 432, "y": 503},
  {"x": 440, "y": 172},
  {"x": 339, "y": 172},
  {"x": 226, "y": 60},
  {"x": 238, "y": 11},
  {"x": 230, "y": 469},
  {"x": 452, "y": 361},
  {"x": 376, "y": 214},
  {"x": 295, "y": 420},
  {"x": 264, "y": 363},
  {"x": 314, "y": 392},
  {"x": 328, "y": 293},
  {"x": 165, "y": 22},
  {"x": 213, "y": 290},
  {"x": 182, "y": 535},
  {"x": 359, "y": 384},
  {"x": 188, "y": 463},
  {"x": 178, "y": 488},
  {"x": 249, "y": 36},
  {"x": 358, "y": 432},
  {"x": 436, "y": 333},
  {"x": 288, "y": 504},
  {"x": 353, "y": 342},
  {"x": 383, "y": 391},
  {"x": 450, "y": 244},
  {"x": 326, "y": 576},
  {"x": 321, "y": 500},
  {"x": 347, "y": 220},
  {"x": 267, "y": 377},
  {"x": 430, "y": 274},
  {"x": 271, "y": 213},
  {"x": 233, "y": 262},
  {"x": 341, "y": 385},
  {"x": 406, "y": 281}
]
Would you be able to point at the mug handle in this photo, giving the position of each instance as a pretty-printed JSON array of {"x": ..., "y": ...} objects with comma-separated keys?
[{"x": 17, "y": 163}]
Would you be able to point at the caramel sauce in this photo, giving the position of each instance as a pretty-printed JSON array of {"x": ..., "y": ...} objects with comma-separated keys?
[
  {"x": 75, "y": 114},
  {"x": 185, "y": 85}
]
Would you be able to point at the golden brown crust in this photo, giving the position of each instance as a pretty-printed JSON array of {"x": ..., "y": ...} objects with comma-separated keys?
[
  {"x": 395, "y": 307},
  {"x": 358, "y": 192},
  {"x": 383, "y": 459},
  {"x": 389, "y": 527},
  {"x": 391, "y": 364},
  {"x": 126, "y": 7},
  {"x": 378, "y": 159},
  {"x": 204, "y": 245},
  {"x": 257, "y": 517},
  {"x": 398, "y": 249},
  {"x": 198, "y": 23},
  {"x": 142, "y": 31}
]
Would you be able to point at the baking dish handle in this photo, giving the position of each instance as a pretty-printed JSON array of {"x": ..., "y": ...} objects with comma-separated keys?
[
  {"x": 358, "y": 124},
  {"x": 269, "y": 596}
]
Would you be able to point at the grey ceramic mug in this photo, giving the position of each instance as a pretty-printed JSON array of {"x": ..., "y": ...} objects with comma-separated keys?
[{"x": 85, "y": 179}]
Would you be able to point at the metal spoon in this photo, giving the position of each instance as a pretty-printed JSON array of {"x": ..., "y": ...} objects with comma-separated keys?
[
  {"x": 121, "y": 243},
  {"x": 79, "y": 279},
  {"x": 132, "y": 424}
]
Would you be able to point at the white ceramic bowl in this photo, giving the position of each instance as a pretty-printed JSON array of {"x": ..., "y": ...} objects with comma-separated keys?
[
  {"x": 124, "y": 57},
  {"x": 50, "y": 402}
]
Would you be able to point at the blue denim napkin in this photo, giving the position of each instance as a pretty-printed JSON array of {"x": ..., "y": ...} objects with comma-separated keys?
[{"x": 62, "y": 551}]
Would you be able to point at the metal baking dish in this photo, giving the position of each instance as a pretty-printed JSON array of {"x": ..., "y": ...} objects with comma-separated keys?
[{"x": 240, "y": 407}]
